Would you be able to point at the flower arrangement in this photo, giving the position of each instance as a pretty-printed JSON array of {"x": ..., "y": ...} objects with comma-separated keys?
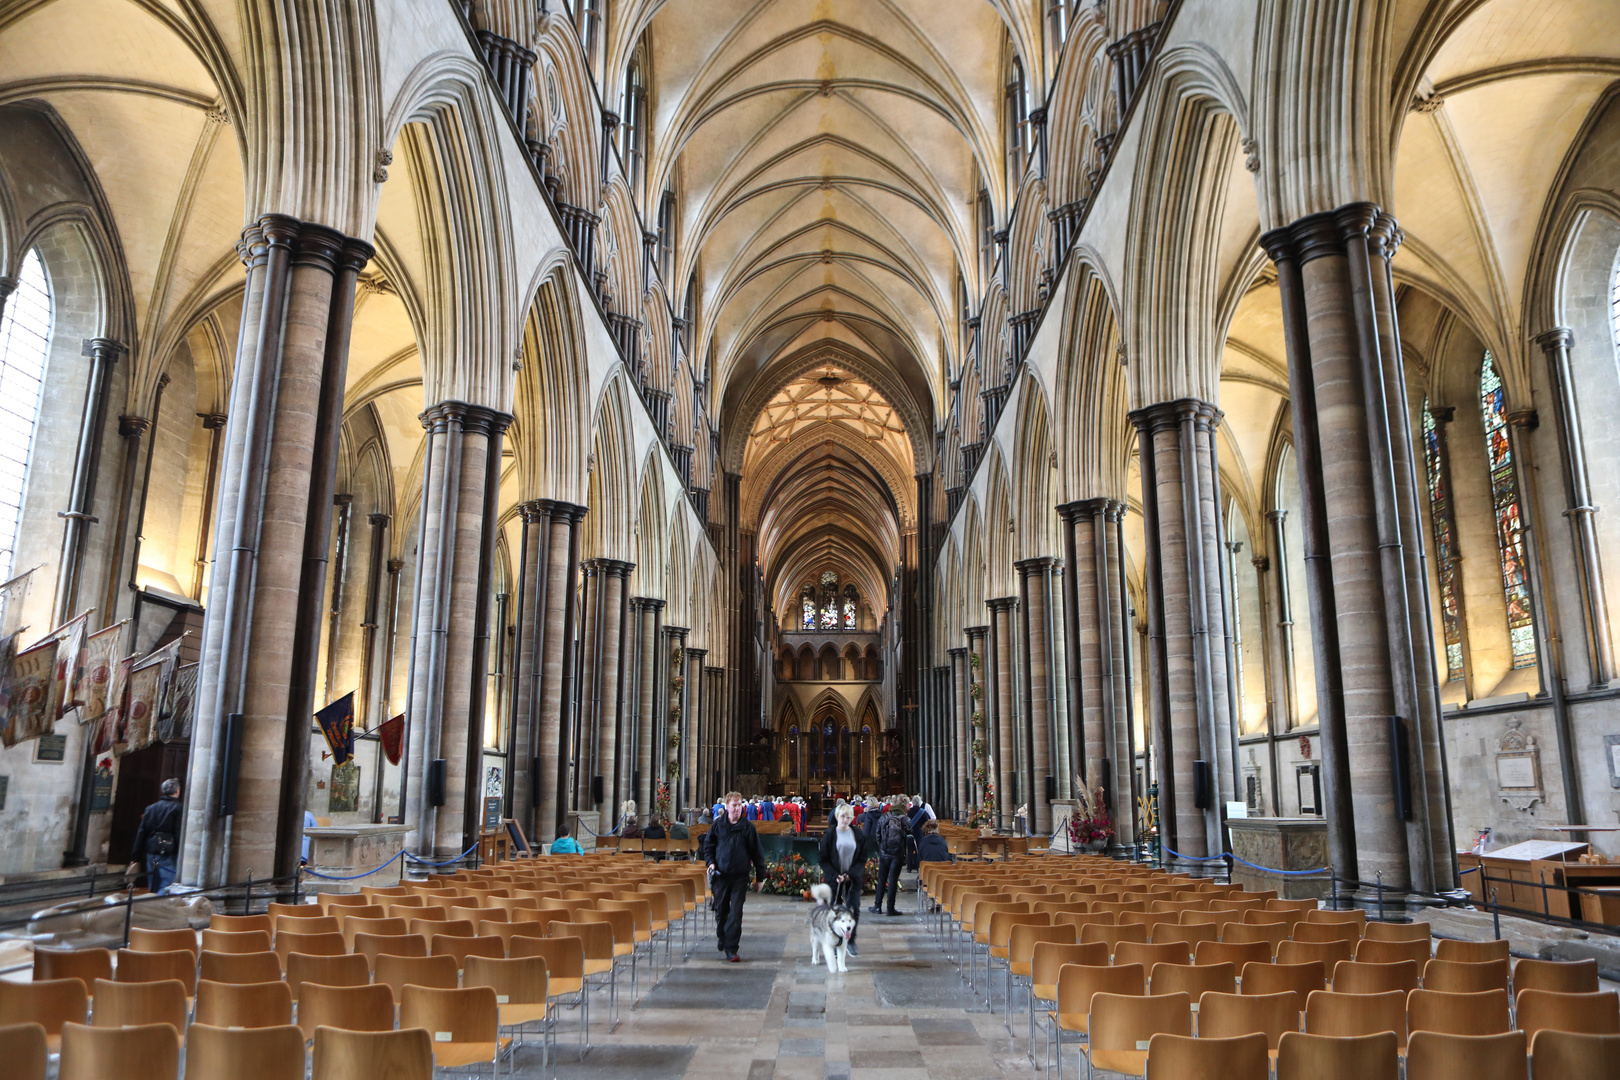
[
  {"x": 973, "y": 660},
  {"x": 793, "y": 876},
  {"x": 978, "y": 719},
  {"x": 978, "y": 748},
  {"x": 1090, "y": 824},
  {"x": 661, "y": 801}
]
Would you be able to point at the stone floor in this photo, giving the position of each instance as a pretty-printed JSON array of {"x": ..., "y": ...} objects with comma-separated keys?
[{"x": 900, "y": 1013}]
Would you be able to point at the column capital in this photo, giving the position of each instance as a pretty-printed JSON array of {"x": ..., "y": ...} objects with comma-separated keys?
[
  {"x": 212, "y": 421},
  {"x": 1030, "y": 566},
  {"x": 100, "y": 348},
  {"x": 714, "y": 672},
  {"x": 1166, "y": 414},
  {"x": 533, "y": 511},
  {"x": 319, "y": 246},
  {"x": 1085, "y": 508},
  {"x": 395, "y": 565},
  {"x": 696, "y": 652},
  {"x": 957, "y": 653},
  {"x": 975, "y": 631},
  {"x": 1003, "y": 603},
  {"x": 1559, "y": 337},
  {"x": 1443, "y": 414},
  {"x": 378, "y": 521},
  {"x": 1527, "y": 419},
  {"x": 7, "y": 285},
  {"x": 647, "y": 603},
  {"x": 133, "y": 427},
  {"x": 608, "y": 566},
  {"x": 677, "y": 631},
  {"x": 559, "y": 509},
  {"x": 342, "y": 498}
]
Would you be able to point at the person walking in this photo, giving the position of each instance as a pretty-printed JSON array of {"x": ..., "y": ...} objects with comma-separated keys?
[
  {"x": 730, "y": 848},
  {"x": 157, "y": 839},
  {"x": 891, "y": 842},
  {"x": 842, "y": 853}
]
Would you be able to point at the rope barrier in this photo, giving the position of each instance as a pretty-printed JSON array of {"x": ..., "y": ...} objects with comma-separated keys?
[
  {"x": 418, "y": 860},
  {"x": 1223, "y": 856},
  {"x": 1191, "y": 858}
]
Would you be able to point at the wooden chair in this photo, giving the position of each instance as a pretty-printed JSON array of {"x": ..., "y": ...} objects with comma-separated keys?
[
  {"x": 240, "y": 923},
  {"x": 86, "y": 965},
  {"x": 275, "y": 911},
  {"x": 453, "y": 945},
  {"x": 1272, "y": 933},
  {"x": 1375, "y": 951},
  {"x": 180, "y": 965},
  {"x": 1178, "y": 906},
  {"x": 1471, "y": 952},
  {"x": 240, "y": 967},
  {"x": 1565, "y": 976},
  {"x": 372, "y": 1055},
  {"x": 308, "y": 924},
  {"x": 1111, "y": 936},
  {"x": 470, "y": 1016},
  {"x": 1237, "y": 954},
  {"x": 1077, "y": 985},
  {"x": 50, "y": 1003},
  {"x": 262, "y": 1053},
  {"x": 366, "y": 1007},
  {"x": 345, "y": 969},
  {"x": 397, "y": 972},
  {"x": 1177, "y": 1057},
  {"x": 522, "y": 995},
  {"x": 372, "y": 946},
  {"x": 1323, "y": 915},
  {"x": 309, "y": 945},
  {"x": 1338, "y": 1057},
  {"x": 1226, "y": 1016},
  {"x": 1046, "y": 964},
  {"x": 1276, "y": 978},
  {"x": 1548, "y": 1010},
  {"x": 1356, "y": 1015},
  {"x": 1327, "y": 953},
  {"x": 23, "y": 1049},
  {"x": 1289, "y": 919},
  {"x": 131, "y": 1004},
  {"x": 1135, "y": 952},
  {"x": 1320, "y": 931},
  {"x": 1354, "y": 977},
  {"x": 232, "y": 941},
  {"x": 1191, "y": 933},
  {"x": 565, "y": 976},
  {"x": 150, "y": 1051},
  {"x": 327, "y": 901},
  {"x": 1300, "y": 906},
  {"x": 1482, "y": 1013},
  {"x": 1394, "y": 931},
  {"x": 1433, "y": 1056},
  {"x": 476, "y": 915},
  {"x": 244, "y": 1005},
  {"x": 355, "y": 925},
  {"x": 1194, "y": 980},
  {"x": 1120, "y": 1024},
  {"x": 143, "y": 940},
  {"x": 1456, "y": 977},
  {"x": 1568, "y": 1055}
]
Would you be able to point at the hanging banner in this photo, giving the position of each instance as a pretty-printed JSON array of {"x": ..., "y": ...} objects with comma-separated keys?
[
  {"x": 176, "y": 719},
  {"x": 8, "y": 659},
  {"x": 97, "y": 665},
  {"x": 70, "y": 647},
  {"x": 144, "y": 687},
  {"x": 112, "y": 732},
  {"x": 391, "y": 734},
  {"x": 33, "y": 695},
  {"x": 337, "y": 724},
  {"x": 12, "y": 595}
]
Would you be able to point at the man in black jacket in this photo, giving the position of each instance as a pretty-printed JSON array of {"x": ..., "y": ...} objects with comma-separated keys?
[
  {"x": 157, "y": 841},
  {"x": 731, "y": 848}
]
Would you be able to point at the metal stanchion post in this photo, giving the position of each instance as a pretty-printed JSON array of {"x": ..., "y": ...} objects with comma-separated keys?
[
  {"x": 129, "y": 912},
  {"x": 1381, "y": 896},
  {"x": 1496, "y": 910}
]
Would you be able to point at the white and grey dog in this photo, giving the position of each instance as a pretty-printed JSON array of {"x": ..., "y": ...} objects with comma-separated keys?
[{"x": 830, "y": 927}]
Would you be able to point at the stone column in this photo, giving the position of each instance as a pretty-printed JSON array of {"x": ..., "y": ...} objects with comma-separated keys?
[
  {"x": 1003, "y": 684},
  {"x": 695, "y": 700},
  {"x": 1186, "y": 617},
  {"x": 645, "y": 613},
  {"x": 978, "y": 638},
  {"x": 962, "y": 730},
  {"x": 1379, "y": 701},
  {"x": 532, "y": 573},
  {"x": 667, "y": 759},
  {"x": 601, "y": 672},
  {"x": 262, "y": 635},
  {"x": 712, "y": 775},
  {"x": 478, "y": 524},
  {"x": 1580, "y": 512},
  {"x": 366, "y": 712},
  {"x": 554, "y": 661},
  {"x": 1040, "y": 758}
]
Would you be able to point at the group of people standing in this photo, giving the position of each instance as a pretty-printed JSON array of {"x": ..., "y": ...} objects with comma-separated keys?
[{"x": 778, "y": 808}]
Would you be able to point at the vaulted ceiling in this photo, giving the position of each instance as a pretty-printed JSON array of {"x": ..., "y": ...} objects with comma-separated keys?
[{"x": 826, "y": 155}]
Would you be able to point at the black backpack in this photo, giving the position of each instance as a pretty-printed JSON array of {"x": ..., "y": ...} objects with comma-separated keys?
[{"x": 891, "y": 835}]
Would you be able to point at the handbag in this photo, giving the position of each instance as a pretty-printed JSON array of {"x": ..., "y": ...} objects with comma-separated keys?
[{"x": 162, "y": 844}]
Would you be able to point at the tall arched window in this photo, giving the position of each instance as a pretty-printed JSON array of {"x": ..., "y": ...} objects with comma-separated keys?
[
  {"x": 807, "y": 601},
  {"x": 849, "y": 607},
  {"x": 25, "y": 335},
  {"x": 1505, "y": 507},
  {"x": 632, "y": 124},
  {"x": 1445, "y": 542},
  {"x": 829, "y": 600}
]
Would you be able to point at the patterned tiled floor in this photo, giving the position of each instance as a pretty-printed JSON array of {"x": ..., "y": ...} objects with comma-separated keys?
[{"x": 900, "y": 1013}]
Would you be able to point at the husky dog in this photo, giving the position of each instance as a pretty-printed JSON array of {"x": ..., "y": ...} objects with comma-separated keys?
[{"x": 830, "y": 927}]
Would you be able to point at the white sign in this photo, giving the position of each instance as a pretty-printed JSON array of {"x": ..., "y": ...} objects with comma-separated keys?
[{"x": 1516, "y": 772}]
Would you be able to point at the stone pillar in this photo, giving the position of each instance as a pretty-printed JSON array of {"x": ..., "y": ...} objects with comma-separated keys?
[
  {"x": 641, "y": 639},
  {"x": 1379, "y": 702},
  {"x": 262, "y": 635},
  {"x": 667, "y": 758},
  {"x": 532, "y": 574},
  {"x": 554, "y": 662},
  {"x": 1186, "y": 617},
  {"x": 450, "y": 647},
  {"x": 1003, "y": 685},
  {"x": 1040, "y": 757},
  {"x": 366, "y": 715},
  {"x": 509, "y": 65},
  {"x": 712, "y": 773},
  {"x": 694, "y": 703},
  {"x": 962, "y": 729},
  {"x": 605, "y": 677},
  {"x": 1580, "y": 512},
  {"x": 978, "y": 638}
]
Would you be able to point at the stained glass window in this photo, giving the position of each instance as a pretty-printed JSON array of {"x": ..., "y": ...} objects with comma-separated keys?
[
  {"x": 1445, "y": 546},
  {"x": 808, "y": 600},
  {"x": 829, "y": 615},
  {"x": 849, "y": 614},
  {"x": 25, "y": 337},
  {"x": 1505, "y": 506}
]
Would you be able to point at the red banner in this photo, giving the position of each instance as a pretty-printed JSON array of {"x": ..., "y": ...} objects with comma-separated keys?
[{"x": 392, "y": 735}]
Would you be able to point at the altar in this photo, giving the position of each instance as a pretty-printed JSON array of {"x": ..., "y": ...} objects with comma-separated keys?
[
  {"x": 349, "y": 851},
  {"x": 1291, "y": 844}
]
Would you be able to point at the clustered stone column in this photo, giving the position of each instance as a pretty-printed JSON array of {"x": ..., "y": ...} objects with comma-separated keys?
[
  {"x": 1003, "y": 720},
  {"x": 1370, "y": 616},
  {"x": 275, "y": 497},
  {"x": 978, "y": 638},
  {"x": 449, "y": 651},
  {"x": 1045, "y": 754},
  {"x": 644, "y": 639},
  {"x": 963, "y": 728},
  {"x": 597, "y": 748},
  {"x": 694, "y": 706},
  {"x": 712, "y": 767},
  {"x": 1187, "y": 659},
  {"x": 549, "y": 571},
  {"x": 1096, "y": 613}
]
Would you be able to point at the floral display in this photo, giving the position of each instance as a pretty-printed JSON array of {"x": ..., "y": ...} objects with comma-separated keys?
[{"x": 793, "y": 876}]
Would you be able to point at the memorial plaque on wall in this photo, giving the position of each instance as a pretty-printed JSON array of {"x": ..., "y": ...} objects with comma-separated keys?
[
  {"x": 101, "y": 789},
  {"x": 51, "y": 748},
  {"x": 343, "y": 794}
]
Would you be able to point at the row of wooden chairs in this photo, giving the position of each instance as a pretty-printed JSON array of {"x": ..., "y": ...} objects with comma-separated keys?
[{"x": 257, "y": 1053}]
